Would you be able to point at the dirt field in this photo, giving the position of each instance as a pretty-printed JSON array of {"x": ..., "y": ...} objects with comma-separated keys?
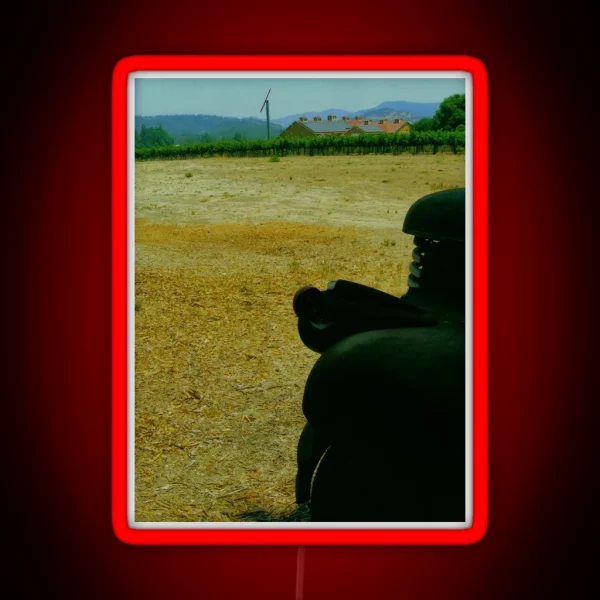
[{"x": 220, "y": 368}]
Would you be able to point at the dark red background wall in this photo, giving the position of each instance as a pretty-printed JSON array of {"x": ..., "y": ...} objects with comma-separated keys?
[{"x": 57, "y": 280}]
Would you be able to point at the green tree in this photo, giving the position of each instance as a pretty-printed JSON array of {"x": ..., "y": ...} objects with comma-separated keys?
[
  {"x": 450, "y": 114},
  {"x": 151, "y": 137},
  {"x": 424, "y": 124}
]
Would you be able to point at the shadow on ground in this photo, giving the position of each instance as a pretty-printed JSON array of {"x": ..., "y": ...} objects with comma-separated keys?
[{"x": 301, "y": 514}]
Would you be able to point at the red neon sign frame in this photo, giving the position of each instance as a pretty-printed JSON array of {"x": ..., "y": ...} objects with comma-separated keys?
[{"x": 121, "y": 526}]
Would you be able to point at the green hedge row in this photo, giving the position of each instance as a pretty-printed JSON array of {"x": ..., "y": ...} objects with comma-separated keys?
[{"x": 418, "y": 141}]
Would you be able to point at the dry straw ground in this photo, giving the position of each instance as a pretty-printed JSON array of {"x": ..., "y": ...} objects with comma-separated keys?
[{"x": 219, "y": 368}]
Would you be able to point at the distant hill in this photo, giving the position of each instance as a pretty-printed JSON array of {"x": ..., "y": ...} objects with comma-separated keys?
[
  {"x": 195, "y": 128},
  {"x": 417, "y": 110},
  {"x": 191, "y": 128},
  {"x": 409, "y": 111}
]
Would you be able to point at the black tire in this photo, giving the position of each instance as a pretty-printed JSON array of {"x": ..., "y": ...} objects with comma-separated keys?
[{"x": 373, "y": 487}]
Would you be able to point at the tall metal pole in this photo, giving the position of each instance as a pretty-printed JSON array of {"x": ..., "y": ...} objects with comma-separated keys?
[
  {"x": 268, "y": 121},
  {"x": 266, "y": 103}
]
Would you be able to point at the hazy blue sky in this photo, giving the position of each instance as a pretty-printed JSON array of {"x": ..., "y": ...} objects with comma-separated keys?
[{"x": 244, "y": 97}]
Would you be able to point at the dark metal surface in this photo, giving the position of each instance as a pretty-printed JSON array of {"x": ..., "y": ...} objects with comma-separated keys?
[
  {"x": 311, "y": 448},
  {"x": 385, "y": 401},
  {"x": 438, "y": 216}
]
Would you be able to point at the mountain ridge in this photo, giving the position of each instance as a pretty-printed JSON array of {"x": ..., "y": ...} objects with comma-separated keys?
[
  {"x": 186, "y": 128},
  {"x": 409, "y": 111}
]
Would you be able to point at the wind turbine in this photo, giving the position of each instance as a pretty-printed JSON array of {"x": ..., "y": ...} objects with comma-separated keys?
[{"x": 266, "y": 103}]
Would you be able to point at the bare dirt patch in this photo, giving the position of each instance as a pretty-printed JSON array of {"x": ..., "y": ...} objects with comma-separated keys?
[
  {"x": 332, "y": 190},
  {"x": 219, "y": 366}
]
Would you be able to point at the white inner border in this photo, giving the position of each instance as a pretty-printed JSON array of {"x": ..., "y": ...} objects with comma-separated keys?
[{"x": 131, "y": 291}]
